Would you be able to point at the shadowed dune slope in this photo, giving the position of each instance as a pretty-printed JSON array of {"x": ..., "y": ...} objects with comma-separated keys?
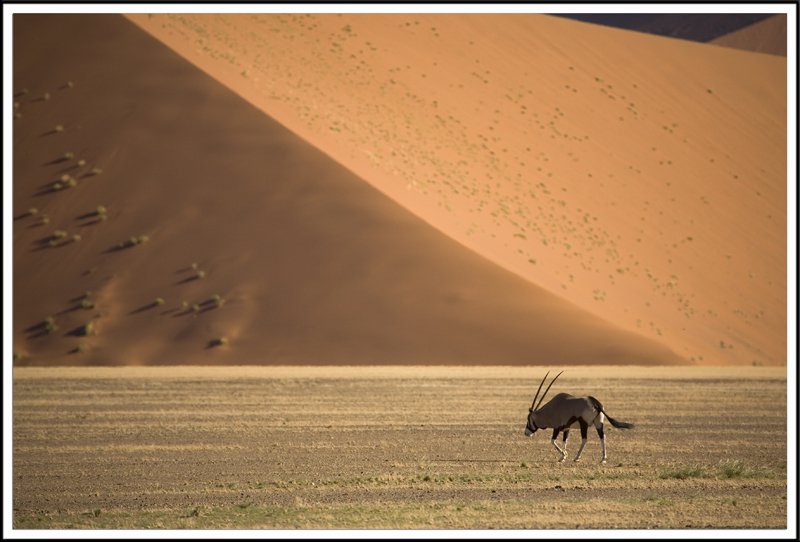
[
  {"x": 767, "y": 36},
  {"x": 309, "y": 263},
  {"x": 641, "y": 178},
  {"x": 700, "y": 27}
]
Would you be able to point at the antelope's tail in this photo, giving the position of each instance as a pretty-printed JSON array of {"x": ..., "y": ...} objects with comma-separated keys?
[
  {"x": 615, "y": 423},
  {"x": 618, "y": 425}
]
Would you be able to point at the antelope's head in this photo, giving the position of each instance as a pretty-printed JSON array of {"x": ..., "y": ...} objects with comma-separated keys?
[{"x": 531, "y": 428}]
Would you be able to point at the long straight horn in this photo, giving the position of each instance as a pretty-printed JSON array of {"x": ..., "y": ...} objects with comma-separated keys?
[
  {"x": 540, "y": 389},
  {"x": 545, "y": 391}
]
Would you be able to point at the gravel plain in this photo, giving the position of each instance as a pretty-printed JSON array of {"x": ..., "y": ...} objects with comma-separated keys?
[{"x": 393, "y": 448}]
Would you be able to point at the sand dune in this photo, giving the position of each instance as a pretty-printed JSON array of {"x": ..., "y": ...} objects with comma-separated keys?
[
  {"x": 650, "y": 193},
  {"x": 767, "y": 36},
  {"x": 587, "y": 206},
  {"x": 699, "y": 27},
  {"x": 313, "y": 264}
]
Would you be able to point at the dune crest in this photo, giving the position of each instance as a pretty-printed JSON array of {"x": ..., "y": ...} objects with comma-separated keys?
[{"x": 651, "y": 194}]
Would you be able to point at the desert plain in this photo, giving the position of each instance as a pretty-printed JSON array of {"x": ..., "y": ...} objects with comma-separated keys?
[
  {"x": 307, "y": 270},
  {"x": 393, "y": 448}
]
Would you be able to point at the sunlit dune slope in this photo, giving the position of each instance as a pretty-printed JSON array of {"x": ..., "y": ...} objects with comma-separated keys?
[
  {"x": 642, "y": 178},
  {"x": 767, "y": 36},
  {"x": 157, "y": 213}
]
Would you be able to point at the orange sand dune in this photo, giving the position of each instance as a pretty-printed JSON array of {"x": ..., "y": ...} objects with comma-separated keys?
[
  {"x": 311, "y": 264},
  {"x": 641, "y": 178}
]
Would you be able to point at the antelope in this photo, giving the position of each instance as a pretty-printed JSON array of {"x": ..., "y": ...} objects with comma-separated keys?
[{"x": 562, "y": 411}]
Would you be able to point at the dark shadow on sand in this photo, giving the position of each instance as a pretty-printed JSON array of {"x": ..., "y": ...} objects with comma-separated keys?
[
  {"x": 64, "y": 170},
  {"x": 23, "y": 215},
  {"x": 215, "y": 343},
  {"x": 79, "y": 331},
  {"x": 144, "y": 308},
  {"x": 122, "y": 246},
  {"x": 48, "y": 246},
  {"x": 40, "y": 330},
  {"x": 36, "y": 327},
  {"x": 44, "y": 242},
  {"x": 48, "y": 189},
  {"x": 71, "y": 309}
]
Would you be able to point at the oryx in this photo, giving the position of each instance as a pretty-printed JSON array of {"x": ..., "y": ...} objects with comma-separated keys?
[{"x": 562, "y": 411}]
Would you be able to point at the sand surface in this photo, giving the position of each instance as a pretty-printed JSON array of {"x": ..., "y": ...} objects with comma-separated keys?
[{"x": 555, "y": 197}]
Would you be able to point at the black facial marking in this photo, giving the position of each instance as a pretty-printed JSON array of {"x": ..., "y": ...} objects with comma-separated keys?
[{"x": 531, "y": 426}]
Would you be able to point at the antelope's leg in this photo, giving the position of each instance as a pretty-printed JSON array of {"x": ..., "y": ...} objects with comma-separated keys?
[
  {"x": 584, "y": 430},
  {"x": 599, "y": 427},
  {"x": 553, "y": 442}
]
